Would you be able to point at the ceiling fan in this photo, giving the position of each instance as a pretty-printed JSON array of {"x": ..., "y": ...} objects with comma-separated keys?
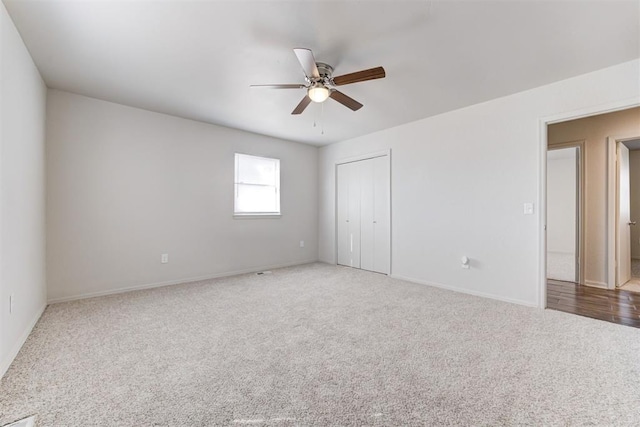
[{"x": 320, "y": 83}]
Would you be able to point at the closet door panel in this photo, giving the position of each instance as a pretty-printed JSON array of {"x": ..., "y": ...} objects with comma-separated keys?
[
  {"x": 353, "y": 219},
  {"x": 367, "y": 235},
  {"x": 342, "y": 207},
  {"x": 381, "y": 215}
]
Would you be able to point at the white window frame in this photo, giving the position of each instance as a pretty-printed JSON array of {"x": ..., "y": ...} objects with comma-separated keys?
[{"x": 237, "y": 180}]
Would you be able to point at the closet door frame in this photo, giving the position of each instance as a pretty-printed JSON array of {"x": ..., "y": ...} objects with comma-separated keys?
[{"x": 373, "y": 155}]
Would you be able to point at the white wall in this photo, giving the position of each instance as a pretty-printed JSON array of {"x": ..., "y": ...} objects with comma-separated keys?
[
  {"x": 594, "y": 131},
  {"x": 126, "y": 185},
  {"x": 22, "y": 198},
  {"x": 561, "y": 213},
  {"x": 459, "y": 181},
  {"x": 561, "y": 200}
]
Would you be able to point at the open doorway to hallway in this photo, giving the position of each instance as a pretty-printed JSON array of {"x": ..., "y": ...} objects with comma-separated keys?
[
  {"x": 589, "y": 216},
  {"x": 627, "y": 235}
]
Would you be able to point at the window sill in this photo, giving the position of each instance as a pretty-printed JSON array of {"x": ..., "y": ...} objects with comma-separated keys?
[{"x": 257, "y": 216}]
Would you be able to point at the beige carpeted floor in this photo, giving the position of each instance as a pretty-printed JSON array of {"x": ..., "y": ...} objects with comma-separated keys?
[
  {"x": 635, "y": 268},
  {"x": 561, "y": 266},
  {"x": 633, "y": 285},
  {"x": 320, "y": 345}
]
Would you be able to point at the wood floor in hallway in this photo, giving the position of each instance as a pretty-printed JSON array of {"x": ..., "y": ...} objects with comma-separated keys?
[{"x": 617, "y": 306}]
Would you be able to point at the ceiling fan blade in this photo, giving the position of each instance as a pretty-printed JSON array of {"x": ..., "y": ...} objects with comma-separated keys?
[
  {"x": 359, "y": 76},
  {"x": 285, "y": 86},
  {"x": 303, "y": 104},
  {"x": 345, "y": 100},
  {"x": 308, "y": 62}
]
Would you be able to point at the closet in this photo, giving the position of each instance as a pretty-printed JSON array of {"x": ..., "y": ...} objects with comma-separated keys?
[{"x": 363, "y": 214}]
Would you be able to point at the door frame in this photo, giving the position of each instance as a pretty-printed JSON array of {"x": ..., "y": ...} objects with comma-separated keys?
[
  {"x": 543, "y": 123},
  {"x": 357, "y": 158},
  {"x": 613, "y": 206},
  {"x": 580, "y": 204}
]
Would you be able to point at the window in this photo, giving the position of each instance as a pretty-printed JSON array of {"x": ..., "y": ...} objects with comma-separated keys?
[{"x": 257, "y": 185}]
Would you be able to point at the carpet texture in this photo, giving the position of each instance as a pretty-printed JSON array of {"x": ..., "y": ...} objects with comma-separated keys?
[
  {"x": 320, "y": 345},
  {"x": 635, "y": 268},
  {"x": 561, "y": 266},
  {"x": 632, "y": 285}
]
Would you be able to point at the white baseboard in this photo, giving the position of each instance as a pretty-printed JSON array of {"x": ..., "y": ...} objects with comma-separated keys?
[
  {"x": 466, "y": 291},
  {"x": 4, "y": 364},
  {"x": 175, "y": 282},
  {"x": 596, "y": 284}
]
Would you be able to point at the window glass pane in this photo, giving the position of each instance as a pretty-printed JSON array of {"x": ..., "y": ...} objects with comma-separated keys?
[
  {"x": 257, "y": 170},
  {"x": 257, "y": 183},
  {"x": 256, "y": 198}
]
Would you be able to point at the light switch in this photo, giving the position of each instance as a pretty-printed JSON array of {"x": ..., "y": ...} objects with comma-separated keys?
[{"x": 528, "y": 208}]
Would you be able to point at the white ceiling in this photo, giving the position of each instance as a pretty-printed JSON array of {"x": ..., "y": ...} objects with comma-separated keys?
[
  {"x": 196, "y": 59},
  {"x": 633, "y": 145}
]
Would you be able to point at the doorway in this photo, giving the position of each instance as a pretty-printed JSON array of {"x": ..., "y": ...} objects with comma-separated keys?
[
  {"x": 604, "y": 214},
  {"x": 627, "y": 212},
  {"x": 564, "y": 217}
]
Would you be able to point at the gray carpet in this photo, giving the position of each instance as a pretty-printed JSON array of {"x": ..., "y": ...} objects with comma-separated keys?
[
  {"x": 320, "y": 345},
  {"x": 561, "y": 266},
  {"x": 635, "y": 267}
]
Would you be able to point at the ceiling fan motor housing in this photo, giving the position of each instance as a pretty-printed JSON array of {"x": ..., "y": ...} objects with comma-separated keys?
[{"x": 325, "y": 71}]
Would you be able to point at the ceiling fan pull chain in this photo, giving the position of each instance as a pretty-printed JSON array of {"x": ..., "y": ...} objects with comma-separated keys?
[{"x": 322, "y": 117}]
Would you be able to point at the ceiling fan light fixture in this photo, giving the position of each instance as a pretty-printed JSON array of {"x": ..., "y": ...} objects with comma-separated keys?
[{"x": 318, "y": 93}]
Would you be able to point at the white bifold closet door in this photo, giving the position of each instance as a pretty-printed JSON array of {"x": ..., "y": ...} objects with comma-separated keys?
[
  {"x": 349, "y": 215},
  {"x": 363, "y": 215}
]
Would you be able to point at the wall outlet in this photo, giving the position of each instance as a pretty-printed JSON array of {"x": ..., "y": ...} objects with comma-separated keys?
[
  {"x": 302, "y": 243},
  {"x": 164, "y": 258},
  {"x": 527, "y": 208},
  {"x": 465, "y": 262},
  {"x": 11, "y": 299}
]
